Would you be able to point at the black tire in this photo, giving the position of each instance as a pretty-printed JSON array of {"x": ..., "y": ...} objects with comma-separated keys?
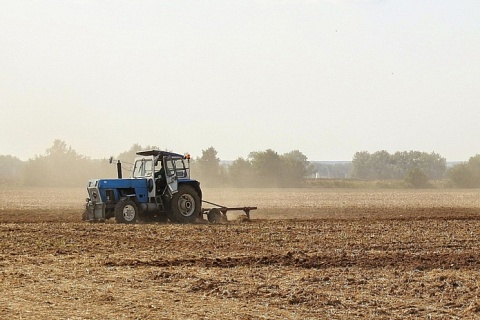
[
  {"x": 185, "y": 206},
  {"x": 126, "y": 211}
]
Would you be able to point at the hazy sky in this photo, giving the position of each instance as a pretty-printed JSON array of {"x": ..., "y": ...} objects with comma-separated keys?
[{"x": 326, "y": 77}]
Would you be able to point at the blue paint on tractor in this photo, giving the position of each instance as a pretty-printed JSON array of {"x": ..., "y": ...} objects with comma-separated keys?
[{"x": 130, "y": 187}]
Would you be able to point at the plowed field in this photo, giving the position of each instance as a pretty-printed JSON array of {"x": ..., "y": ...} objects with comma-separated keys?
[{"x": 306, "y": 254}]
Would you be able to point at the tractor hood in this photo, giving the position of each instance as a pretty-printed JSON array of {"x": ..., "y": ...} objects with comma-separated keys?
[{"x": 120, "y": 187}]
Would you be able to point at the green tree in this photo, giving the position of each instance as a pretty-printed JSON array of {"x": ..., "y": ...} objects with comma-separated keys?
[
  {"x": 295, "y": 167},
  {"x": 207, "y": 168},
  {"x": 361, "y": 166},
  {"x": 65, "y": 165},
  {"x": 416, "y": 178},
  {"x": 382, "y": 165},
  {"x": 267, "y": 168},
  {"x": 240, "y": 173},
  {"x": 432, "y": 164},
  {"x": 129, "y": 155},
  {"x": 60, "y": 166},
  {"x": 11, "y": 171},
  {"x": 466, "y": 174},
  {"x": 402, "y": 161}
]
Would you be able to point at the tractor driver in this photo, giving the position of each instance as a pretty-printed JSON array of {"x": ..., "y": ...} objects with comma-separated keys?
[{"x": 160, "y": 179}]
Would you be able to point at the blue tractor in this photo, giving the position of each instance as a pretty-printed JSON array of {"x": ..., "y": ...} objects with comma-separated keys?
[{"x": 160, "y": 189}]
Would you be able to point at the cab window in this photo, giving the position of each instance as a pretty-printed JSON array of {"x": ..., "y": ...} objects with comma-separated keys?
[
  {"x": 170, "y": 167},
  {"x": 180, "y": 167},
  {"x": 143, "y": 168}
]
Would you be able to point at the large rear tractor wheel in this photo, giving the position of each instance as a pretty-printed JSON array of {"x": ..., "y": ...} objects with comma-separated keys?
[
  {"x": 185, "y": 206},
  {"x": 126, "y": 211}
]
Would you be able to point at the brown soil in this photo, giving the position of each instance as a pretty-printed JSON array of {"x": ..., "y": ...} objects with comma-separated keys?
[{"x": 344, "y": 260}]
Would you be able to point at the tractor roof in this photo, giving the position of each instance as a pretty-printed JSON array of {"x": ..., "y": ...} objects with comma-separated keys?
[{"x": 159, "y": 153}]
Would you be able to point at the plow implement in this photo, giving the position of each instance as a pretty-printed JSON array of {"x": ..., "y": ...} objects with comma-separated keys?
[{"x": 219, "y": 213}]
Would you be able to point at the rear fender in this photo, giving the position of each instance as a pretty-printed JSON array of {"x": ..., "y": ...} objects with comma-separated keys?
[{"x": 195, "y": 184}]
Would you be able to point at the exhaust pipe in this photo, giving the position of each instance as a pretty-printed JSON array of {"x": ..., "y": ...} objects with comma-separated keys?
[{"x": 119, "y": 169}]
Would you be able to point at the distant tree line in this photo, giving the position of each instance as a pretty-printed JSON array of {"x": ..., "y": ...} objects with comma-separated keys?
[
  {"x": 414, "y": 166},
  {"x": 260, "y": 169},
  {"x": 61, "y": 166}
]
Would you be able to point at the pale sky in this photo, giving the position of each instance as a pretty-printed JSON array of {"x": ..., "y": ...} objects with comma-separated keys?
[{"x": 326, "y": 77}]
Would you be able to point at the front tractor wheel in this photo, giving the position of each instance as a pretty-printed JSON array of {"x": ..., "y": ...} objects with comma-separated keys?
[
  {"x": 126, "y": 211},
  {"x": 185, "y": 206}
]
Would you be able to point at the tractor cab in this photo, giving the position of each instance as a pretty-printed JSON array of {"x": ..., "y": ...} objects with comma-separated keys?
[{"x": 162, "y": 169}]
